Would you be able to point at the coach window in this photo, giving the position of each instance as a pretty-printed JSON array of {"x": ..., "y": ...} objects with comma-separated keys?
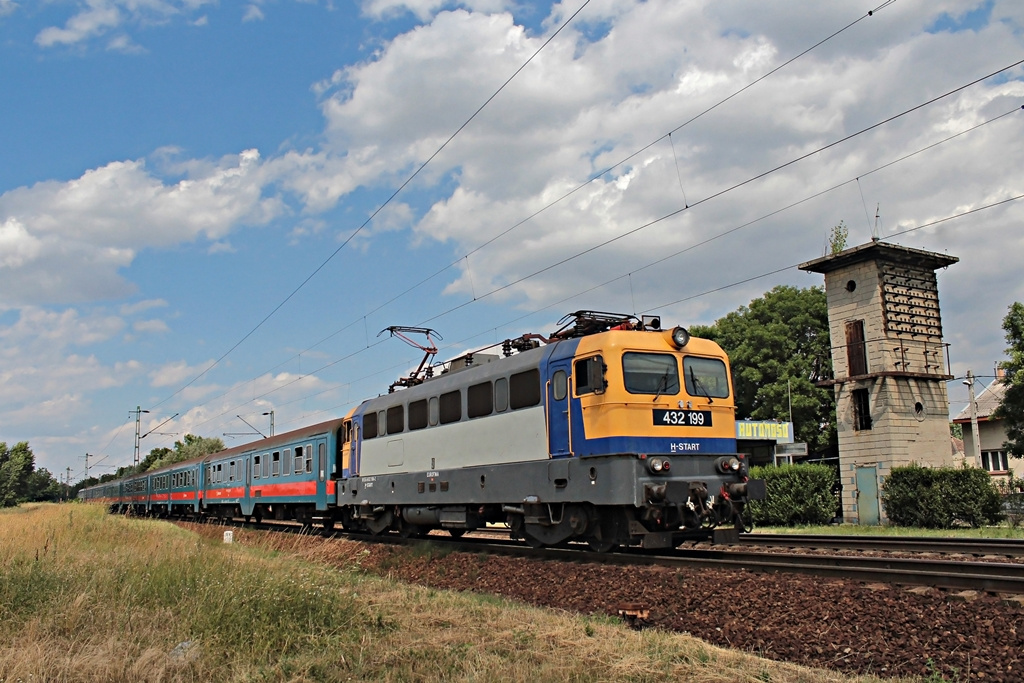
[
  {"x": 433, "y": 411},
  {"x": 370, "y": 426},
  {"x": 451, "y": 407},
  {"x": 220, "y": 472},
  {"x": 480, "y": 400},
  {"x": 396, "y": 419},
  {"x": 500, "y": 395},
  {"x": 298, "y": 460},
  {"x": 309, "y": 458},
  {"x": 418, "y": 414},
  {"x": 275, "y": 464},
  {"x": 255, "y": 467},
  {"x": 524, "y": 389},
  {"x": 266, "y": 465}
]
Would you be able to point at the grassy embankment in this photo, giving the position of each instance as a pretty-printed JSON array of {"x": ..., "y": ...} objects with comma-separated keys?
[
  {"x": 1005, "y": 530},
  {"x": 86, "y": 596}
]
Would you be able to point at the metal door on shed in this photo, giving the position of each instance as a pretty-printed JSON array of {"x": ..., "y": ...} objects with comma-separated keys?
[{"x": 867, "y": 494}]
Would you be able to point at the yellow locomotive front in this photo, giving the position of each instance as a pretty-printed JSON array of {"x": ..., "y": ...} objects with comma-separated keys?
[{"x": 662, "y": 400}]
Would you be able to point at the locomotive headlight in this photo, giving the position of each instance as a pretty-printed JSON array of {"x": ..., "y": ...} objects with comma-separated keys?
[
  {"x": 727, "y": 465},
  {"x": 680, "y": 337},
  {"x": 659, "y": 465}
]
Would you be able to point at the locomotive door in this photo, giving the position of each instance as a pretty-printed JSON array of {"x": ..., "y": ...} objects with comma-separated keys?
[{"x": 557, "y": 395}]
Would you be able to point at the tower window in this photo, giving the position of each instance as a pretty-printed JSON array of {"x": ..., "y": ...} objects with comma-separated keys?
[{"x": 861, "y": 410}]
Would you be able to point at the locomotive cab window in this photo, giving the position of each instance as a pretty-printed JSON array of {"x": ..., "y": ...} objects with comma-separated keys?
[
  {"x": 559, "y": 383},
  {"x": 705, "y": 377},
  {"x": 650, "y": 373}
]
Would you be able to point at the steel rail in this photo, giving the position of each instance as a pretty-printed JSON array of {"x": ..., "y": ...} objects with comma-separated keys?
[{"x": 1005, "y": 547}]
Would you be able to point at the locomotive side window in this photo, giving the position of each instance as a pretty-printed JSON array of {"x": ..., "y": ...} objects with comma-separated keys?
[
  {"x": 370, "y": 426},
  {"x": 480, "y": 400},
  {"x": 500, "y": 395},
  {"x": 650, "y": 373},
  {"x": 524, "y": 389},
  {"x": 418, "y": 414},
  {"x": 451, "y": 407},
  {"x": 705, "y": 377},
  {"x": 433, "y": 411},
  {"x": 396, "y": 419},
  {"x": 589, "y": 376},
  {"x": 382, "y": 422}
]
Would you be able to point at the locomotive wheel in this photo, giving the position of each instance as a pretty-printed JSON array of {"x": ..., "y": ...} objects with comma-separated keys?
[
  {"x": 599, "y": 545},
  {"x": 457, "y": 533},
  {"x": 532, "y": 541}
]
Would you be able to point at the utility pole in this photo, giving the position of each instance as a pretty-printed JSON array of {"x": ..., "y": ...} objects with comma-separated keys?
[
  {"x": 975, "y": 438},
  {"x": 86, "y": 457},
  {"x": 271, "y": 414},
  {"x": 67, "y": 484},
  {"x": 138, "y": 423}
]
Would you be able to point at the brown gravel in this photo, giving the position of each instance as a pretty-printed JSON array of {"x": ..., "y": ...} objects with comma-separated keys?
[{"x": 848, "y": 626}]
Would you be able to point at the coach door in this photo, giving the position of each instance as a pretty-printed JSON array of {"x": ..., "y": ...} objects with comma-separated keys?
[
  {"x": 320, "y": 471},
  {"x": 558, "y": 390}
]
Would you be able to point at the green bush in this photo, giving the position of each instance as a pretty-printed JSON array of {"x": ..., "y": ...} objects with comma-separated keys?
[
  {"x": 940, "y": 497},
  {"x": 796, "y": 494}
]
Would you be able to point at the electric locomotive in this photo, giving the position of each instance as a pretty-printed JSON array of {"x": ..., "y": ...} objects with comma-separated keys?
[{"x": 612, "y": 432}]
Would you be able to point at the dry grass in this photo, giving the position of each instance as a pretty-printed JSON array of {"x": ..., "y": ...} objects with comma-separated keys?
[{"x": 85, "y": 596}]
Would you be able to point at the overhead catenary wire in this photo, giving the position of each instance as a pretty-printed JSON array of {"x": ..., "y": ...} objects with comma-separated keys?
[
  {"x": 712, "y": 238},
  {"x": 378, "y": 209},
  {"x": 465, "y": 256}
]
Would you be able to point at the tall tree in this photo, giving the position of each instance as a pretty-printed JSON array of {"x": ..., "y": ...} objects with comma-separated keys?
[
  {"x": 16, "y": 467},
  {"x": 779, "y": 349},
  {"x": 1011, "y": 409}
]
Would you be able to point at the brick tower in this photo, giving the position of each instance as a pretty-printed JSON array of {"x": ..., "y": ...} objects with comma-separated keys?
[{"x": 889, "y": 365}]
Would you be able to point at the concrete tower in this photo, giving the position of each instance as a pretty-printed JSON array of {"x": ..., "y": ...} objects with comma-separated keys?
[{"x": 889, "y": 364}]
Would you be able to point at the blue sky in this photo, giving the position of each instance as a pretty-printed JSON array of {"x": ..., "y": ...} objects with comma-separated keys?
[{"x": 174, "y": 170}]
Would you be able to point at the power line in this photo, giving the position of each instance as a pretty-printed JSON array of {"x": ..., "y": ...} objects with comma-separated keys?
[
  {"x": 689, "y": 248},
  {"x": 378, "y": 210}
]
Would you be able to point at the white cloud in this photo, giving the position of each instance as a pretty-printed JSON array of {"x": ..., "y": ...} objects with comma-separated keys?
[
  {"x": 70, "y": 239},
  {"x": 253, "y": 13},
  {"x": 99, "y": 17},
  {"x": 150, "y": 326}
]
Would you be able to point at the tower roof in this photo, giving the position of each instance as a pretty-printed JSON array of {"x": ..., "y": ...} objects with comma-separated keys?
[{"x": 876, "y": 250}]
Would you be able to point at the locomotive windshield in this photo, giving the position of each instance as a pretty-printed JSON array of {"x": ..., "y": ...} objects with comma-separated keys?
[
  {"x": 650, "y": 373},
  {"x": 705, "y": 377}
]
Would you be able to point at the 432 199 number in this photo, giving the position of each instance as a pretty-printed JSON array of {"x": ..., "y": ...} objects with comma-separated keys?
[{"x": 682, "y": 418}]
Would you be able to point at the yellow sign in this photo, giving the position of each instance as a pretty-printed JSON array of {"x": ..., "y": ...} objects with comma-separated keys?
[{"x": 779, "y": 432}]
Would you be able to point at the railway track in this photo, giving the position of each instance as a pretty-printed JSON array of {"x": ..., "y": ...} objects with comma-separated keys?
[
  {"x": 978, "y": 547},
  {"x": 957, "y": 574}
]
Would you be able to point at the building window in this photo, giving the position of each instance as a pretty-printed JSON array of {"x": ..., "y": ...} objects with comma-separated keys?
[
  {"x": 995, "y": 461},
  {"x": 861, "y": 410},
  {"x": 856, "y": 350}
]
